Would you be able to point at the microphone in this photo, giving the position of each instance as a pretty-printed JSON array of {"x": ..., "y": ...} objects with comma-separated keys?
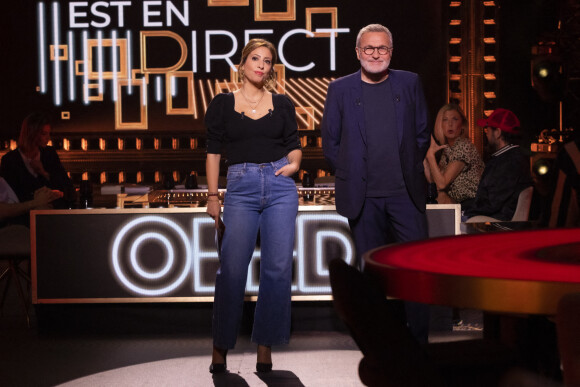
[
  {"x": 357, "y": 102},
  {"x": 243, "y": 115},
  {"x": 270, "y": 111},
  {"x": 398, "y": 98}
]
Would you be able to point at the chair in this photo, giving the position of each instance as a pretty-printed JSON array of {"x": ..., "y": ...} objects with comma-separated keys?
[
  {"x": 568, "y": 332},
  {"x": 564, "y": 210},
  {"x": 392, "y": 357},
  {"x": 15, "y": 249},
  {"x": 521, "y": 214}
]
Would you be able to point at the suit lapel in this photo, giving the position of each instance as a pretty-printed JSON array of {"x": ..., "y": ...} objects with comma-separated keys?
[
  {"x": 356, "y": 100},
  {"x": 397, "y": 95}
]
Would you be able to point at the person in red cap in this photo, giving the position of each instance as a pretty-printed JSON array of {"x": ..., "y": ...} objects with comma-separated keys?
[{"x": 507, "y": 172}]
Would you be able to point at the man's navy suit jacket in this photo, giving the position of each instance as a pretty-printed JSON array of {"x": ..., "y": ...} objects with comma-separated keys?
[{"x": 344, "y": 138}]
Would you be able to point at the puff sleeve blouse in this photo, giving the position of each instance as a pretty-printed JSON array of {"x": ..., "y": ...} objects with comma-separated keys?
[{"x": 245, "y": 140}]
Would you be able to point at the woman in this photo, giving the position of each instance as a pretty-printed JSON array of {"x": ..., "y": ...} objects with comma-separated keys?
[
  {"x": 258, "y": 131},
  {"x": 458, "y": 172},
  {"x": 33, "y": 164}
]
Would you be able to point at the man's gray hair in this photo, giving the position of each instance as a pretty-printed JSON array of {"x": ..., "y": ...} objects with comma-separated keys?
[{"x": 374, "y": 28}]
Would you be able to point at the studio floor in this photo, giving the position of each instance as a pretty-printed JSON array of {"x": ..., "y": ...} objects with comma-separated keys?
[{"x": 170, "y": 345}]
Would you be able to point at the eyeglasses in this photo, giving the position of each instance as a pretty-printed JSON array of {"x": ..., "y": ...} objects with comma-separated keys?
[{"x": 383, "y": 50}]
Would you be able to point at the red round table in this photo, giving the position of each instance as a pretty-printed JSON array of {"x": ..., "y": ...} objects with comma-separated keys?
[{"x": 510, "y": 272}]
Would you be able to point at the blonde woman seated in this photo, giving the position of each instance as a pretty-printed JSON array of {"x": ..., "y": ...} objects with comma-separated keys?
[{"x": 459, "y": 169}]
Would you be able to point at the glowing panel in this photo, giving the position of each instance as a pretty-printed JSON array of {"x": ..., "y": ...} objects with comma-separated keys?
[
  {"x": 113, "y": 44},
  {"x": 59, "y": 52},
  {"x": 41, "y": 47},
  {"x": 169, "y": 259},
  {"x": 227, "y": 3},
  {"x": 87, "y": 87},
  {"x": 302, "y": 233},
  {"x": 71, "y": 67},
  {"x": 169, "y": 81},
  {"x": 142, "y": 123},
  {"x": 162, "y": 254},
  {"x": 288, "y": 15},
  {"x": 123, "y": 274},
  {"x": 280, "y": 70},
  {"x": 161, "y": 34},
  {"x": 332, "y": 11},
  {"x": 55, "y": 58},
  {"x": 308, "y": 113}
]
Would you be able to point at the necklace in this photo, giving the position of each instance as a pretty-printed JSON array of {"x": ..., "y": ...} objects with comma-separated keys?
[{"x": 248, "y": 101}]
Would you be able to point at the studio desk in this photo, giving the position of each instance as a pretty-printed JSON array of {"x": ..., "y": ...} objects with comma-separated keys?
[{"x": 164, "y": 249}]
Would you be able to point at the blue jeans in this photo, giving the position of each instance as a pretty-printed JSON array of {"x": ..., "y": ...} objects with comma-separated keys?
[{"x": 256, "y": 200}]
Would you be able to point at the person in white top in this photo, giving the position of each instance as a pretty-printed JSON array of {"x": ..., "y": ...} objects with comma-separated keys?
[{"x": 11, "y": 207}]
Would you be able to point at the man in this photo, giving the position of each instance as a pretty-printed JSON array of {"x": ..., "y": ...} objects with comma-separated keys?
[
  {"x": 375, "y": 137},
  {"x": 506, "y": 174}
]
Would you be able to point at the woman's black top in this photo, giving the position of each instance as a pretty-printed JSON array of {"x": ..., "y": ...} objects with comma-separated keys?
[{"x": 246, "y": 140}]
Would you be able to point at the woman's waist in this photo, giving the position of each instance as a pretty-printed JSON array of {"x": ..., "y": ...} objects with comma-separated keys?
[{"x": 259, "y": 164}]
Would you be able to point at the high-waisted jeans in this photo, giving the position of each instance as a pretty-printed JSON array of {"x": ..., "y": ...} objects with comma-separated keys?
[{"x": 256, "y": 200}]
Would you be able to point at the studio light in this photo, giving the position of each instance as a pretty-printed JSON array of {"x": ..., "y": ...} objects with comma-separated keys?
[
  {"x": 547, "y": 70},
  {"x": 547, "y": 77},
  {"x": 543, "y": 72},
  {"x": 542, "y": 167}
]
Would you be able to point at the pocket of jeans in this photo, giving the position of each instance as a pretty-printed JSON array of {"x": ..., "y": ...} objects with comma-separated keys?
[
  {"x": 282, "y": 162},
  {"x": 286, "y": 178},
  {"x": 234, "y": 175}
]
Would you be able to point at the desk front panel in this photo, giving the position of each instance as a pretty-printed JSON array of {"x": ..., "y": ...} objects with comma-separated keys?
[{"x": 169, "y": 255}]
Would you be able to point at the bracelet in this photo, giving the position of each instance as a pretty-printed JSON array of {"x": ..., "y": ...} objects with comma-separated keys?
[{"x": 213, "y": 194}]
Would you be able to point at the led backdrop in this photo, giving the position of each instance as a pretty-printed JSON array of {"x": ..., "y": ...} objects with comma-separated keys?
[{"x": 105, "y": 66}]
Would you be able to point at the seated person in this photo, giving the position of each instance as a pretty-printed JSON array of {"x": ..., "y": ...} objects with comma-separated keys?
[
  {"x": 506, "y": 174},
  {"x": 34, "y": 165},
  {"x": 14, "y": 212},
  {"x": 459, "y": 169}
]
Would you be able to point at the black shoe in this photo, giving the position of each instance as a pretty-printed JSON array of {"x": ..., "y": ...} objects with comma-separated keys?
[
  {"x": 217, "y": 368},
  {"x": 263, "y": 367}
]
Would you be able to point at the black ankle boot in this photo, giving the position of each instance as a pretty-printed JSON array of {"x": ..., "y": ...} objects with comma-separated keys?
[
  {"x": 263, "y": 367},
  {"x": 219, "y": 368}
]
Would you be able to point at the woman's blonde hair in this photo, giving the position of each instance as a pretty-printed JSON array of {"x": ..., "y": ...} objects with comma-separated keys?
[
  {"x": 438, "y": 130},
  {"x": 251, "y": 46}
]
